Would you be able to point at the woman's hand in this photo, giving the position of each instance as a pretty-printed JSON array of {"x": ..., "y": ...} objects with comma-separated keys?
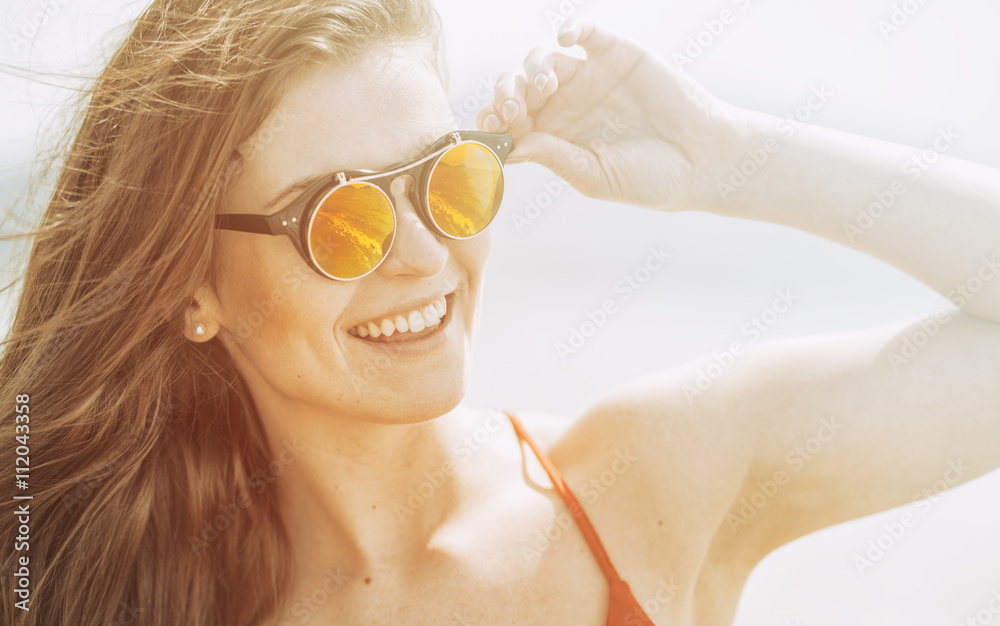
[{"x": 620, "y": 125}]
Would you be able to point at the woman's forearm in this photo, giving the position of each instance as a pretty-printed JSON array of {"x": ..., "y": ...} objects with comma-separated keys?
[{"x": 931, "y": 215}]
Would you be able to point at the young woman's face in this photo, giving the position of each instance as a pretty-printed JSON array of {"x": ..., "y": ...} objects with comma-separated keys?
[{"x": 293, "y": 333}]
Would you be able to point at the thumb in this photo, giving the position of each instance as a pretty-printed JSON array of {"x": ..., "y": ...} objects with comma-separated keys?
[{"x": 565, "y": 159}]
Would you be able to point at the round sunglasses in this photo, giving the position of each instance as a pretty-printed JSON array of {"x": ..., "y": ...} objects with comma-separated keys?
[{"x": 344, "y": 225}]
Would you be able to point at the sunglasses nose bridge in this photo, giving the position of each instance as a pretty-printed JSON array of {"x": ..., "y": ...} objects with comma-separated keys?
[
  {"x": 402, "y": 185},
  {"x": 405, "y": 195},
  {"x": 415, "y": 249},
  {"x": 407, "y": 185}
]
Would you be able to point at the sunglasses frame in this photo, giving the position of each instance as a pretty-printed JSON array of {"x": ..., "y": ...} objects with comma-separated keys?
[{"x": 295, "y": 220}]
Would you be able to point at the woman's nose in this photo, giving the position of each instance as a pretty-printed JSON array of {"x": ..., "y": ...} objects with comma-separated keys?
[{"x": 415, "y": 251}]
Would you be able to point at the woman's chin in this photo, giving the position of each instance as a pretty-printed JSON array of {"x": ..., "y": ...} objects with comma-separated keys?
[
  {"x": 413, "y": 379},
  {"x": 414, "y": 408}
]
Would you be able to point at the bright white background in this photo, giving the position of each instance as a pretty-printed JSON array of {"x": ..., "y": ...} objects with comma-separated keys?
[{"x": 941, "y": 69}]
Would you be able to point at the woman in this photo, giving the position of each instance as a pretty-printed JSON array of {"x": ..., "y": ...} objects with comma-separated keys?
[{"x": 221, "y": 420}]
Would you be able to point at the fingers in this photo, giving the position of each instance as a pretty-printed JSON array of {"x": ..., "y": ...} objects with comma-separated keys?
[
  {"x": 488, "y": 120},
  {"x": 508, "y": 106},
  {"x": 545, "y": 71},
  {"x": 587, "y": 35},
  {"x": 538, "y": 68},
  {"x": 516, "y": 94},
  {"x": 570, "y": 162},
  {"x": 509, "y": 97}
]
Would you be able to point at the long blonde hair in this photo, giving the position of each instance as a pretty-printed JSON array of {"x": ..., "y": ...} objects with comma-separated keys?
[{"x": 144, "y": 445}]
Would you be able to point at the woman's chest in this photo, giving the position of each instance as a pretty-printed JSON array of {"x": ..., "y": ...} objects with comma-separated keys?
[{"x": 525, "y": 562}]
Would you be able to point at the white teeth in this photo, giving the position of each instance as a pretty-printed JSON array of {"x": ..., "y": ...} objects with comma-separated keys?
[
  {"x": 430, "y": 315},
  {"x": 401, "y": 324},
  {"x": 414, "y": 321}
]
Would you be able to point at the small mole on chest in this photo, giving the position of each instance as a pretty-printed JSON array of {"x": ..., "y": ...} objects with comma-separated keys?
[{"x": 368, "y": 580}]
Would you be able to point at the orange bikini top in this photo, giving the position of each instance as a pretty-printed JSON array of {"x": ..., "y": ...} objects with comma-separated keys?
[{"x": 623, "y": 608}]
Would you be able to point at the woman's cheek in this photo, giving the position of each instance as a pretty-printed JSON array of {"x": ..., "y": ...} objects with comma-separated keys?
[
  {"x": 258, "y": 288},
  {"x": 473, "y": 253}
]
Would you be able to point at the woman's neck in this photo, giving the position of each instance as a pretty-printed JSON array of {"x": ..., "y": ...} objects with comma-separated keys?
[{"x": 363, "y": 495}]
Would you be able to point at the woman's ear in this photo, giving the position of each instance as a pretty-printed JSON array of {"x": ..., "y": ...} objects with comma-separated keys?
[{"x": 202, "y": 315}]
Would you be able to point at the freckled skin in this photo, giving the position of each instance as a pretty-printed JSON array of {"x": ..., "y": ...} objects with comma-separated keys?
[
  {"x": 378, "y": 427},
  {"x": 366, "y": 115}
]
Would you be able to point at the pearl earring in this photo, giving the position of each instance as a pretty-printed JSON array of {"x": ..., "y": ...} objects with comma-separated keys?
[{"x": 199, "y": 329}]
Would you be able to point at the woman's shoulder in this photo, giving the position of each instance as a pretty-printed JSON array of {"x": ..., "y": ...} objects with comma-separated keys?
[
  {"x": 654, "y": 475},
  {"x": 649, "y": 444},
  {"x": 642, "y": 446}
]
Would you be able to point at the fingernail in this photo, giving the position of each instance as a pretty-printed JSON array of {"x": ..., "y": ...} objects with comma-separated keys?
[
  {"x": 491, "y": 123},
  {"x": 565, "y": 28},
  {"x": 515, "y": 160},
  {"x": 540, "y": 81},
  {"x": 510, "y": 110}
]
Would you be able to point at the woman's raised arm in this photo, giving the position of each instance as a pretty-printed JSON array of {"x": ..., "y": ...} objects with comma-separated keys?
[
  {"x": 624, "y": 125},
  {"x": 828, "y": 429}
]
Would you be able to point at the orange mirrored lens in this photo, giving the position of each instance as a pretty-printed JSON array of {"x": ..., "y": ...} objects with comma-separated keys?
[
  {"x": 465, "y": 189},
  {"x": 352, "y": 230}
]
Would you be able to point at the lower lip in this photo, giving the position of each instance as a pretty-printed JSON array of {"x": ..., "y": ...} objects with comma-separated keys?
[{"x": 424, "y": 344}]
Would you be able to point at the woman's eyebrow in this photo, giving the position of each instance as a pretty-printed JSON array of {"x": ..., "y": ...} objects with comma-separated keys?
[{"x": 309, "y": 181}]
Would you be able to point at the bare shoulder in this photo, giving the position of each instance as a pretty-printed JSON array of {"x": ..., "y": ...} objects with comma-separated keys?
[
  {"x": 655, "y": 469},
  {"x": 682, "y": 434}
]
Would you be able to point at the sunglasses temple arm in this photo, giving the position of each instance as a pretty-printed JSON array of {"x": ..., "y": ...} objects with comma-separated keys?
[{"x": 250, "y": 223}]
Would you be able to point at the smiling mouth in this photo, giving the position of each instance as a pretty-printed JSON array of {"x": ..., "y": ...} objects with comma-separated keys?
[{"x": 406, "y": 326}]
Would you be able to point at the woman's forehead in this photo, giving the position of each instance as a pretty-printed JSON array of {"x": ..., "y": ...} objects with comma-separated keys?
[
  {"x": 372, "y": 101},
  {"x": 382, "y": 108}
]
